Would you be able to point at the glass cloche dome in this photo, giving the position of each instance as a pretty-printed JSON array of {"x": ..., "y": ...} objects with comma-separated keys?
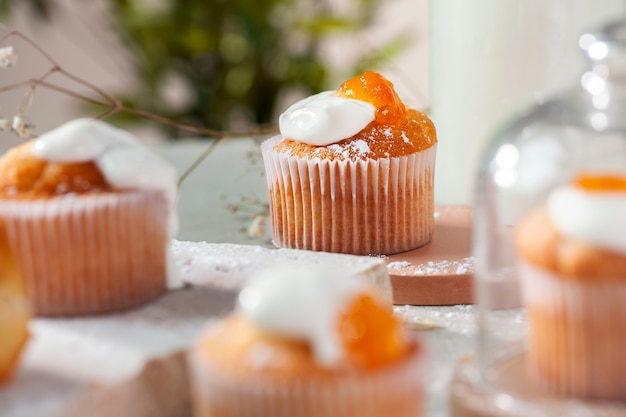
[{"x": 550, "y": 248}]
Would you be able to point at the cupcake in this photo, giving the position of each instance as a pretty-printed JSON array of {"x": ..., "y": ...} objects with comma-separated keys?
[
  {"x": 352, "y": 171},
  {"x": 89, "y": 213},
  {"x": 306, "y": 342},
  {"x": 14, "y": 310},
  {"x": 573, "y": 275}
]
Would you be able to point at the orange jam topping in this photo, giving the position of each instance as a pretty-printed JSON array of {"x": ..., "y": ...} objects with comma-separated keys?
[
  {"x": 370, "y": 334},
  {"x": 595, "y": 182},
  {"x": 376, "y": 89},
  {"x": 24, "y": 175}
]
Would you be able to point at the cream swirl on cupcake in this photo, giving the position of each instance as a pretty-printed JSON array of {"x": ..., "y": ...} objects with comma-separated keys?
[
  {"x": 121, "y": 158},
  {"x": 592, "y": 210},
  {"x": 325, "y": 118},
  {"x": 302, "y": 302}
]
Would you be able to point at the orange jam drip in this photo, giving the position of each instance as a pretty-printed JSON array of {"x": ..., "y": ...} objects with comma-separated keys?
[
  {"x": 370, "y": 334},
  {"x": 376, "y": 89},
  {"x": 595, "y": 182}
]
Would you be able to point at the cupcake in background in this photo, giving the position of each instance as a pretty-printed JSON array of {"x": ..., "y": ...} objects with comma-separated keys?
[
  {"x": 352, "y": 171},
  {"x": 307, "y": 342},
  {"x": 573, "y": 276},
  {"x": 89, "y": 213},
  {"x": 14, "y": 310}
]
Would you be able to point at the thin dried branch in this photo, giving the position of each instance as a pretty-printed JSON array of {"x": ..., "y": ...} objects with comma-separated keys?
[{"x": 111, "y": 103}]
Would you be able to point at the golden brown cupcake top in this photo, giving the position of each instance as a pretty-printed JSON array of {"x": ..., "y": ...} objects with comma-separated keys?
[
  {"x": 23, "y": 175},
  {"x": 293, "y": 319},
  {"x": 578, "y": 233},
  {"x": 241, "y": 348},
  {"x": 395, "y": 131},
  {"x": 238, "y": 345}
]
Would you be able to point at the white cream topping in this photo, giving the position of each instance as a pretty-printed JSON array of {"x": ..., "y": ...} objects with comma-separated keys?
[
  {"x": 325, "y": 118},
  {"x": 301, "y": 302},
  {"x": 121, "y": 158},
  {"x": 596, "y": 217}
]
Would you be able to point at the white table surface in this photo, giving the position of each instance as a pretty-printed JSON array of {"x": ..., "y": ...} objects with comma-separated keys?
[
  {"x": 220, "y": 199},
  {"x": 217, "y": 203}
]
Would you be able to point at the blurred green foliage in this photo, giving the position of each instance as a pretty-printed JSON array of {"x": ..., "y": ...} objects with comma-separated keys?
[{"x": 232, "y": 57}]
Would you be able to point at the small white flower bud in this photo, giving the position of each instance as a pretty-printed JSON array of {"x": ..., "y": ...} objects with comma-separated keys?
[
  {"x": 18, "y": 123},
  {"x": 7, "y": 57},
  {"x": 21, "y": 126},
  {"x": 5, "y": 124},
  {"x": 24, "y": 132}
]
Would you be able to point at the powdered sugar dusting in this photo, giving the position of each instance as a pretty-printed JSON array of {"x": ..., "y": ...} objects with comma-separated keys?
[
  {"x": 431, "y": 268},
  {"x": 336, "y": 148},
  {"x": 357, "y": 149},
  {"x": 360, "y": 147}
]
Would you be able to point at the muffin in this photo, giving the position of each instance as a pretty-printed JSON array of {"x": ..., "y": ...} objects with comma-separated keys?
[
  {"x": 14, "y": 310},
  {"x": 306, "y": 342},
  {"x": 89, "y": 213},
  {"x": 352, "y": 171},
  {"x": 573, "y": 274}
]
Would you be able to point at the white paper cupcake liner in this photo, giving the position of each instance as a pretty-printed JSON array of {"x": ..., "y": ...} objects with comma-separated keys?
[
  {"x": 86, "y": 254},
  {"x": 396, "y": 390},
  {"x": 577, "y": 339},
  {"x": 379, "y": 206}
]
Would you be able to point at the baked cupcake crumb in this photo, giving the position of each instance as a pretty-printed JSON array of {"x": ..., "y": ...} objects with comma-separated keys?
[{"x": 23, "y": 175}]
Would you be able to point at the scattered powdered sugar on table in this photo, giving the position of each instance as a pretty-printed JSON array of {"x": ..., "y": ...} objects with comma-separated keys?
[
  {"x": 229, "y": 266},
  {"x": 430, "y": 268},
  {"x": 458, "y": 319},
  {"x": 399, "y": 264}
]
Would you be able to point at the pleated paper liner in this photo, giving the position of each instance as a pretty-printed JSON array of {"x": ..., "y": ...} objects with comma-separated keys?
[
  {"x": 394, "y": 390},
  {"x": 360, "y": 207},
  {"x": 577, "y": 341},
  {"x": 92, "y": 253}
]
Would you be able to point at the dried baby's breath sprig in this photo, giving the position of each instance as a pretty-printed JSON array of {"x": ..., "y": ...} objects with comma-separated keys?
[
  {"x": 5, "y": 124},
  {"x": 8, "y": 58},
  {"x": 21, "y": 126},
  {"x": 18, "y": 123}
]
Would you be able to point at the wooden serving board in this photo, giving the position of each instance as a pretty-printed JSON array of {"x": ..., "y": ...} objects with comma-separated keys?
[{"x": 442, "y": 271}]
